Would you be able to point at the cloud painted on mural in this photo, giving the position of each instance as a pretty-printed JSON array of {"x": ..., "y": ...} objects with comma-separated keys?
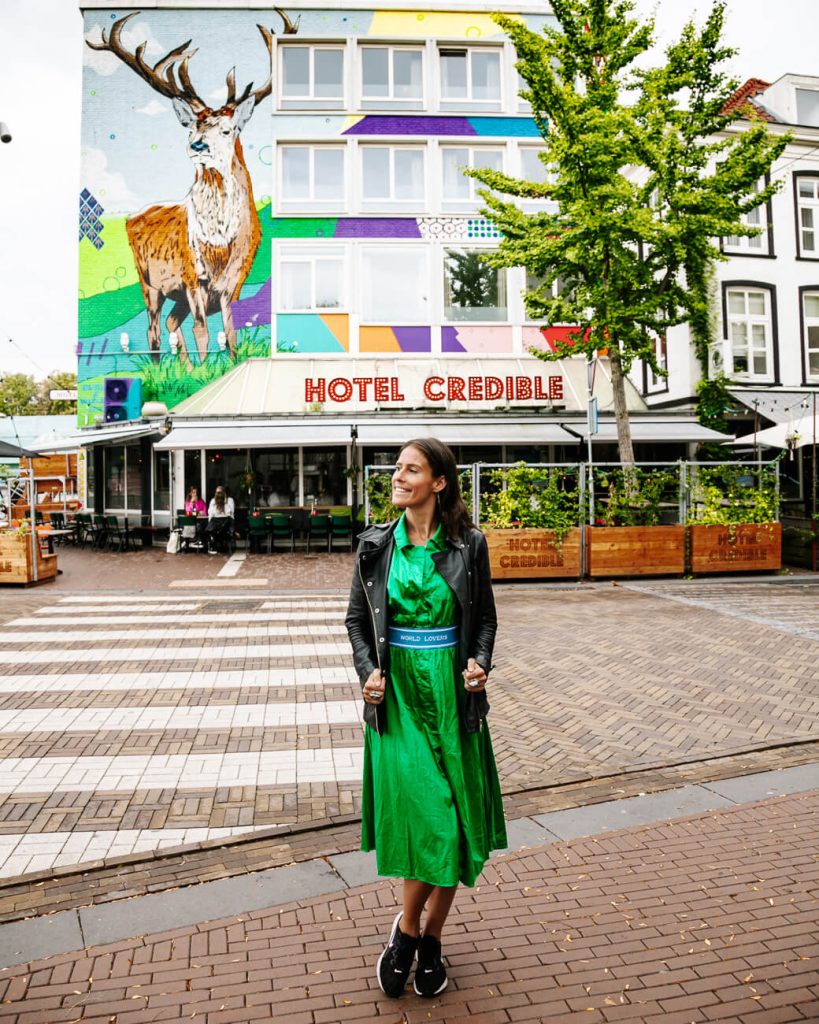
[
  {"x": 108, "y": 186},
  {"x": 154, "y": 108}
]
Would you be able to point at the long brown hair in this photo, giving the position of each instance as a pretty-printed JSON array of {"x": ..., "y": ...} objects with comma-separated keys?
[
  {"x": 451, "y": 507},
  {"x": 220, "y": 497}
]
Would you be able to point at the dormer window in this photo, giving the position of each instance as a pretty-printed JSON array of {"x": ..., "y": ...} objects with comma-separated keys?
[{"x": 807, "y": 107}]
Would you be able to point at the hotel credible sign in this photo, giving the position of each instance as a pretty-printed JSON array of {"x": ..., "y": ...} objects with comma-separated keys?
[{"x": 434, "y": 389}]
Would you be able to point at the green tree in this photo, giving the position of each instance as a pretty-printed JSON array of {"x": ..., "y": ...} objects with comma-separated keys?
[
  {"x": 58, "y": 380},
  {"x": 642, "y": 177},
  {"x": 18, "y": 394}
]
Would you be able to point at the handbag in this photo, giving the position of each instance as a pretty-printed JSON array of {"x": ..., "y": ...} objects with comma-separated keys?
[{"x": 174, "y": 542}]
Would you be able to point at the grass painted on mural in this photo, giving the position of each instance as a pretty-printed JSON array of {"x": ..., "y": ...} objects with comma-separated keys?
[{"x": 170, "y": 379}]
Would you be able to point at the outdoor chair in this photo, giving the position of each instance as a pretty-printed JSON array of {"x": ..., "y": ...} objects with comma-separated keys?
[
  {"x": 189, "y": 525},
  {"x": 58, "y": 523},
  {"x": 114, "y": 534},
  {"x": 341, "y": 526},
  {"x": 84, "y": 527},
  {"x": 100, "y": 536},
  {"x": 281, "y": 528},
  {"x": 258, "y": 532},
  {"x": 318, "y": 527}
]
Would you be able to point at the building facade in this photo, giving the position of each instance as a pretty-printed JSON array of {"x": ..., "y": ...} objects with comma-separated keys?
[{"x": 278, "y": 245}]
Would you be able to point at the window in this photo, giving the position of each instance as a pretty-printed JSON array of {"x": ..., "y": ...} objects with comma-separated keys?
[
  {"x": 524, "y": 106},
  {"x": 473, "y": 290},
  {"x": 810, "y": 302},
  {"x": 162, "y": 481},
  {"x": 311, "y": 279},
  {"x": 559, "y": 287},
  {"x": 758, "y": 245},
  {"x": 133, "y": 467},
  {"x": 312, "y": 76},
  {"x": 457, "y": 187},
  {"x": 807, "y": 215},
  {"x": 394, "y": 285},
  {"x": 750, "y": 331},
  {"x": 532, "y": 167},
  {"x": 277, "y": 476},
  {"x": 312, "y": 175},
  {"x": 323, "y": 475},
  {"x": 807, "y": 107},
  {"x": 193, "y": 471},
  {"x": 470, "y": 76},
  {"x": 392, "y": 174},
  {"x": 391, "y": 75},
  {"x": 114, "y": 466}
]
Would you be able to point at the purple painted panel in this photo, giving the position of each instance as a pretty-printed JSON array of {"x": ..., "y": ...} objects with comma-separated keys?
[
  {"x": 413, "y": 339},
  {"x": 449, "y": 340},
  {"x": 377, "y": 227},
  {"x": 254, "y": 310},
  {"x": 378, "y": 124}
]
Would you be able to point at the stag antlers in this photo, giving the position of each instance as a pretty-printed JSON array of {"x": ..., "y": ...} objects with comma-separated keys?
[{"x": 162, "y": 77}]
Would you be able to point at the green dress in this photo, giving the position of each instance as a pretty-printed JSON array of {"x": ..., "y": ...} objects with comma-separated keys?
[{"x": 431, "y": 803}]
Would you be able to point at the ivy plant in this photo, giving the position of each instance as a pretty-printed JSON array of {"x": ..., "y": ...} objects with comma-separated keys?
[
  {"x": 724, "y": 495},
  {"x": 530, "y": 496}
]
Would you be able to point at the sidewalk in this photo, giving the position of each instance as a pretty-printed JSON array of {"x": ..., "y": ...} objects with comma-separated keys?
[{"x": 710, "y": 917}]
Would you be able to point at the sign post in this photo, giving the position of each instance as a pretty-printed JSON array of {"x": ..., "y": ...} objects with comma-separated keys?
[{"x": 592, "y": 427}]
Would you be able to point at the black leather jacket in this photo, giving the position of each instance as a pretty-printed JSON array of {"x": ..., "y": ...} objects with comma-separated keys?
[{"x": 464, "y": 565}]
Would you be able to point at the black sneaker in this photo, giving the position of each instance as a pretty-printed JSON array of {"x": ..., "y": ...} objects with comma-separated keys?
[
  {"x": 430, "y": 973},
  {"x": 395, "y": 962}
]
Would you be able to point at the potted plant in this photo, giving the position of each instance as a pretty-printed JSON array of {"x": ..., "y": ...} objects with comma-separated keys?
[
  {"x": 733, "y": 520},
  {"x": 16, "y": 561},
  {"x": 628, "y": 537},
  {"x": 530, "y": 516}
]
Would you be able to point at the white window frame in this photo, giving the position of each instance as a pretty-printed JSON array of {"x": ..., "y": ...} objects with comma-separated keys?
[
  {"x": 391, "y": 202},
  {"x": 423, "y": 250},
  {"x": 556, "y": 290},
  {"x": 750, "y": 320},
  {"x": 310, "y": 100},
  {"x": 312, "y": 254},
  {"x": 310, "y": 203},
  {"x": 454, "y": 102},
  {"x": 759, "y": 245},
  {"x": 808, "y": 322},
  {"x": 503, "y": 274},
  {"x": 812, "y": 204},
  {"x": 390, "y": 99},
  {"x": 449, "y": 203}
]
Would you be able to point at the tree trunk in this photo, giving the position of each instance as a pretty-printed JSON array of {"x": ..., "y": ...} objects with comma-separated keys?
[{"x": 618, "y": 388}]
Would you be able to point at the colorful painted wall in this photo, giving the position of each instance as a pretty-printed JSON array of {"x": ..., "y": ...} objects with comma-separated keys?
[{"x": 178, "y": 306}]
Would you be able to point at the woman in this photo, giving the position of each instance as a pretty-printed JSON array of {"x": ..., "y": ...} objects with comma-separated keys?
[
  {"x": 422, "y": 624},
  {"x": 194, "y": 506},
  {"x": 220, "y": 519}
]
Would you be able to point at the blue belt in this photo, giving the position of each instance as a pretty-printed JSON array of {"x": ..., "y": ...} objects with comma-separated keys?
[{"x": 423, "y": 639}]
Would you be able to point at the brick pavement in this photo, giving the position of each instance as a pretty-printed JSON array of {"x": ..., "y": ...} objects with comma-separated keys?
[
  {"x": 713, "y": 917},
  {"x": 614, "y": 681}
]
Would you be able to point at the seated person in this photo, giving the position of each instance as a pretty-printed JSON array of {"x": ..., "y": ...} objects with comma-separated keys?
[
  {"x": 194, "y": 506},
  {"x": 220, "y": 521}
]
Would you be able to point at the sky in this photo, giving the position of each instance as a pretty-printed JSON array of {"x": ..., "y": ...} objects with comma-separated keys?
[{"x": 40, "y": 87}]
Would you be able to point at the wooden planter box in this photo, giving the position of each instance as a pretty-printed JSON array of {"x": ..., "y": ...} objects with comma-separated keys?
[
  {"x": 635, "y": 550},
  {"x": 16, "y": 563},
  {"x": 740, "y": 547},
  {"x": 525, "y": 554}
]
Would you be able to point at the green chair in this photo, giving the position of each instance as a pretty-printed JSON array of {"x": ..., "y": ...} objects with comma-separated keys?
[
  {"x": 259, "y": 532},
  {"x": 114, "y": 534},
  {"x": 280, "y": 527},
  {"x": 100, "y": 531},
  {"x": 341, "y": 525},
  {"x": 318, "y": 527},
  {"x": 189, "y": 527}
]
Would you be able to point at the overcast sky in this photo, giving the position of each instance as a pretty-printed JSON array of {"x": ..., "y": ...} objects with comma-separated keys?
[{"x": 40, "y": 75}]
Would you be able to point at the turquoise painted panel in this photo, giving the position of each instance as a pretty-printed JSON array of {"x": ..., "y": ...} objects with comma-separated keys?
[{"x": 304, "y": 332}]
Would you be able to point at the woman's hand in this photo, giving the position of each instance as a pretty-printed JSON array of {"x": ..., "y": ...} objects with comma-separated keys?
[
  {"x": 474, "y": 677},
  {"x": 374, "y": 687}
]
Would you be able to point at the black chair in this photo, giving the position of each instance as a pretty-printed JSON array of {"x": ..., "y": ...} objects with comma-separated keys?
[
  {"x": 58, "y": 523},
  {"x": 100, "y": 532},
  {"x": 280, "y": 527},
  {"x": 318, "y": 527},
  {"x": 341, "y": 525},
  {"x": 219, "y": 533}
]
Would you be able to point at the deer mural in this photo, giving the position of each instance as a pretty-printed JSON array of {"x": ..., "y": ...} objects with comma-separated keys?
[{"x": 197, "y": 253}]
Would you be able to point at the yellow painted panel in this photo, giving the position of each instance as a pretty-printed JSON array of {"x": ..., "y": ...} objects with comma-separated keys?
[
  {"x": 434, "y": 25},
  {"x": 377, "y": 339},
  {"x": 338, "y": 324}
]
